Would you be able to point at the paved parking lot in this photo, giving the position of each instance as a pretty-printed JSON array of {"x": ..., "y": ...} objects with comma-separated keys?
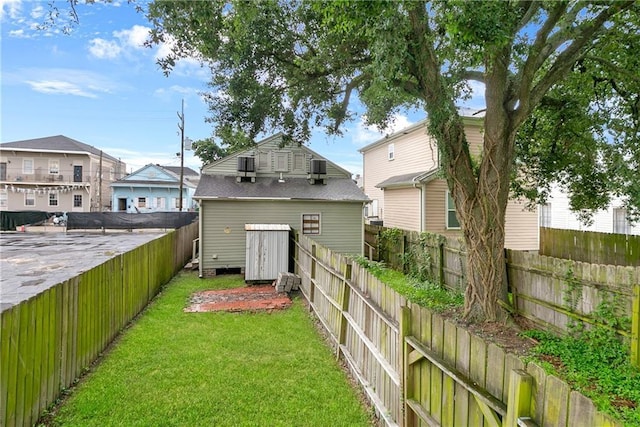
[{"x": 32, "y": 262}]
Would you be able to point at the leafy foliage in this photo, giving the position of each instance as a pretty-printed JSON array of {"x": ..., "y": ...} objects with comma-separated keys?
[
  {"x": 423, "y": 293},
  {"x": 595, "y": 361}
]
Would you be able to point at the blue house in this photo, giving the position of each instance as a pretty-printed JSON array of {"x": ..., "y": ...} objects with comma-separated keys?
[{"x": 155, "y": 188}]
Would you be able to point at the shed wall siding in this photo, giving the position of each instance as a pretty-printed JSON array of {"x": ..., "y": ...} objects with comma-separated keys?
[
  {"x": 342, "y": 228},
  {"x": 401, "y": 209}
]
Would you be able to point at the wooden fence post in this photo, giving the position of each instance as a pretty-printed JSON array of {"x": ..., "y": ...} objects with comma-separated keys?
[
  {"x": 519, "y": 400},
  {"x": 312, "y": 282},
  {"x": 635, "y": 327},
  {"x": 345, "y": 294},
  {"x": 441, "y": 280},
  {"x": 407, "y": 380}
]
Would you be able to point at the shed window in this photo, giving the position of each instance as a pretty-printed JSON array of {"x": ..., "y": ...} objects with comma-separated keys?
[
  {"x": 311, "y": 223},
  {"x": 452, "y": 218}
]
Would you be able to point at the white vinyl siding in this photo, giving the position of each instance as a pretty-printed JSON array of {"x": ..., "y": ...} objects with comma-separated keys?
[
  {"x": 620, "y": 222},
  {"x": 545, "y": 215},
  {"x": 521, "y": 226}
]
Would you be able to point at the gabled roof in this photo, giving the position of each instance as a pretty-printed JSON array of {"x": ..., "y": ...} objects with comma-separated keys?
[
  {"x": 154, "y": 175},
  {"x": 409, "y": 179},
  {"x": 468, "y": 120},
  {"x": 227, "y": 187},
  {"x": 55, "y": 144}
]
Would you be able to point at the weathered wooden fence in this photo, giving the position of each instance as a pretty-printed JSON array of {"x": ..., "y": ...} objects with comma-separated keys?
[
  {"x": 48, "y": 340},
  {"x": 419, "y": 368},
  {"x": 549, "y": 291},
  {"x": 590, "y": 246}
]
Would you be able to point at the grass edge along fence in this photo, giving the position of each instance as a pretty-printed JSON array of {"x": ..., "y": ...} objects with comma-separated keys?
[
  {"x": 50, "y": 339},
  {"x": 554, "y": 293},
  {"x": 417, "y": 367}
]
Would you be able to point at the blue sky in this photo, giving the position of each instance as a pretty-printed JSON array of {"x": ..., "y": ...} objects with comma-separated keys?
[{"x": 100, "y": 86}]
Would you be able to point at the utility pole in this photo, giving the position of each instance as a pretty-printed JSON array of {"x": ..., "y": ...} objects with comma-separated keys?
[{"x": 181, "y": 127}]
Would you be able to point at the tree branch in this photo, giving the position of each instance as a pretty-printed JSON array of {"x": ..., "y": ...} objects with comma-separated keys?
[
  {"x": 532, "y": 8},
  {"x": 584, "y": 34}
]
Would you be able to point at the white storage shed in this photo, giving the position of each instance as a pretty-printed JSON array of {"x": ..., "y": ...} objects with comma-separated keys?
[{"x": 267, "y": 251}]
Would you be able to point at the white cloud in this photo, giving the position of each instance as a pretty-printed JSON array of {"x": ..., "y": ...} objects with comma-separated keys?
[
  {"x": 64, "y": 81},
  {"x": 57, "y": 87},
  {"x": 37, "y": 12},
  {"x": 104, "y": 49},
  {"x": 133, "y": 37},
  {"x": 10, "y": 9},
  {"x": 363, "y": 134}
]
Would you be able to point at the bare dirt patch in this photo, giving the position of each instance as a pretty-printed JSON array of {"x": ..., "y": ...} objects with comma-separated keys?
[{"x": 248, "y": 298}]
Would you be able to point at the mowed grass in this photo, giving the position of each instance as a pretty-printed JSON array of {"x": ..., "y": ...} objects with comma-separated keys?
[{"x": 172, "y": 368}]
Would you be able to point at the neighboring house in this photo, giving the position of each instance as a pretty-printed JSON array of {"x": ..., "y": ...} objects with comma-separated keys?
[
  {"x": 56, "y": 174},
  {"x": 275, "y": 184},
  {"x": 402, "y": 178},
  {"x": 556, "y": 213},
  {"x": 155, "y": 188}
]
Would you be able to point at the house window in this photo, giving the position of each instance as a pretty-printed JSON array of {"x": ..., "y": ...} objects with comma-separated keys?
[
  {"x": 160, "y": 202},
  {"x": 142, "y": 202},
  {"x": 29, "y": 199},
  {"x": 298, "y": 162},
  {"x": 545, "y": 215},
  {"x": 452, "y": 218},
  {"x": 27, "y": 166},
  {"x": 391, "y": 151},
  {"x": 54, "y": 167},
  {"x": 310, "y": 223},
  {"x": 3, "y": 198},
  {"x": 53, "y": 199},
  {"x": 620, "y": 222},
  {"x": 77, "y": 200},
  {"x": 281, "y": 161}
]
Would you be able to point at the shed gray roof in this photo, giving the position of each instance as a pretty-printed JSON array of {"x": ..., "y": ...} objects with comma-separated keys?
[
  {"x": 408, "y": 179},
  {"x": 226, "y": 187},
  {"x": 55, "y": 143}
]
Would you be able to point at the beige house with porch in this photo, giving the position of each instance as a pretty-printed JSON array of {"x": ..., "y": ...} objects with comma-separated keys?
[{"x": 401, "y": 177}]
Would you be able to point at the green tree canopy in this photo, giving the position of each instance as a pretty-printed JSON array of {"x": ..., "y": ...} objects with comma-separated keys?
[{"x": 560, "y": 78}]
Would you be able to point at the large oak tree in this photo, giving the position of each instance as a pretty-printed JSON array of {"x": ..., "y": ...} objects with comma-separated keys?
[{"x": 560, "y": 77}]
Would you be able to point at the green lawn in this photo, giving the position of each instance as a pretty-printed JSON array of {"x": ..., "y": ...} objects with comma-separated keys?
[{"x": 215, "y": 369}]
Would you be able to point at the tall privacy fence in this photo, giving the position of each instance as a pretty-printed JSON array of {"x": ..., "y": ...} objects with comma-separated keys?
[
  {"x": 47, "y": 340},
  {"x": 553, "y": 293},
  {"x": 589, "y": 246},
  {"x": 419, "y": 368}
]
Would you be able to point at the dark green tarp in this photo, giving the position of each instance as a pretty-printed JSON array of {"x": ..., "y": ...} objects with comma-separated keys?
[{"x": 9, "y": 220}]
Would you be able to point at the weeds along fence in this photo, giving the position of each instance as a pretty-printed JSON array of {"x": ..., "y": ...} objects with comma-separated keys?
[
  {"x": 419, "y": 368},
  {"x": 589, "y": 246},
  {"x": 551, "y": 292},
  {"x": 50, "y": 339}
]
